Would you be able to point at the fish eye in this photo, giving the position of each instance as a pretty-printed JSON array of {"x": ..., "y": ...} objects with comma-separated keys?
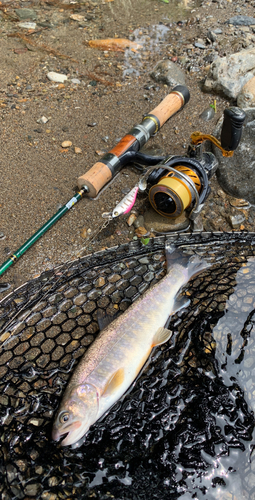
[{"x": 64, "y": 417}]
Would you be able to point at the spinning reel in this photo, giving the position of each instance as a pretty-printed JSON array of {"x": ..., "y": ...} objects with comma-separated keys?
[{"x": 181, "y": 183}]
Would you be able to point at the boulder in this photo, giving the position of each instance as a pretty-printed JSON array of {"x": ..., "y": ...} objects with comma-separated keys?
[
  {"x": 229, "y": 74},
  {"x": 246, "y": 98},
  {"x": 169, "y": 73}
]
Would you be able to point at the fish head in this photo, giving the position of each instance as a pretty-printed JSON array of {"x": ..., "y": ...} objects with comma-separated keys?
[{"x": 77, "y": 412}]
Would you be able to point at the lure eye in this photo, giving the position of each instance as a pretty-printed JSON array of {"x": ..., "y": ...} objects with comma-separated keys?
[{"x": 64, "y": 417}]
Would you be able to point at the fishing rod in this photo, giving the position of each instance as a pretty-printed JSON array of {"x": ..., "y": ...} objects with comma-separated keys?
[{"x": 111, "y": 163}]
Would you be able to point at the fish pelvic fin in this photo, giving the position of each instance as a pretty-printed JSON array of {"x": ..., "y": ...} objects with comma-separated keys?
[
  {"x": 114, "y": 382},
  {"x": 161, "y": 336},
  {"x": 193, "y": 265},
  {"x": 179, "y": 303}
]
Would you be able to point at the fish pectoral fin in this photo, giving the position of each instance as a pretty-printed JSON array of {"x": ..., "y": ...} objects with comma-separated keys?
[
  {"x": 179, "y": 303},
  {"x": 114, "y": 382},
  {"x": 161, "y": 336}
]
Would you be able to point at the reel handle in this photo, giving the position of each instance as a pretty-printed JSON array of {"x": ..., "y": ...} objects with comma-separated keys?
[
  {"x": 109, "y": 165},
  {"x": 232, "y": 128}
]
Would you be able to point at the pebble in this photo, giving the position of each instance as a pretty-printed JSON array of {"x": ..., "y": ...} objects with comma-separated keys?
[
  {"x": 43, "y": 120},
  {"x": 130, "y": 220},
  {"x": 83, "y": 232},
  {"x": 217, "y": 31},
  {"x": 28, "y": 26},
  {"x": 26, "y": 13},
  {"x": 2, "y": 236},
  {"x": 199, "y": 45},
  {"x": 77, "y": 17},
  {"x": 66, "y": 144},
  {"x": 76, "y": 81},
  {"x": 239, "y": 203},
  {"x": 236, "y": 220},
  {"x": 141, "y": 231},
  {"x": 211, "y": 35},
  {"x": 241, "y": 21},
  {"x": 56, "y": 77},
  {"x": 139, "y": 222},
  {"x": 77, "y": 150},
  {"x": 131, "y": 232}
]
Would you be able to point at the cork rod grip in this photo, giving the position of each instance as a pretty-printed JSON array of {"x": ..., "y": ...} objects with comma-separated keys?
[
  {"x": 172, "y": 103},
  {"x": 95, "y": 179},
  {"x": 98, "y": 175}
]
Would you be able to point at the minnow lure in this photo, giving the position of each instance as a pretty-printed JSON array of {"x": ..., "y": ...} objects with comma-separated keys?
[{"x": 127, "y": 203}]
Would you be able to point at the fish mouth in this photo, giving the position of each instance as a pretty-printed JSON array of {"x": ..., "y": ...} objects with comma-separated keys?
[{"x": 68, "y": 435}]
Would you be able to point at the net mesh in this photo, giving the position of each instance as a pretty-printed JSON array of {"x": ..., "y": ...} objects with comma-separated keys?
[{"x": 189, "y": 415}]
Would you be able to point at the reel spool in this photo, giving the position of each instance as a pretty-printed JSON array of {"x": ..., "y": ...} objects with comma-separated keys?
[
  {"x": 172, "y": 195},
  {"x": 176, "y": 190}
]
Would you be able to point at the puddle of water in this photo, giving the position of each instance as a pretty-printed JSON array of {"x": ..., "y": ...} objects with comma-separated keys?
[{"x": 152, "y": 38}]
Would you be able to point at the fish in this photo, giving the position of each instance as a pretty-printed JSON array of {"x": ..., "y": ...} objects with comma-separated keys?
[{"x": 117, "y": 356}]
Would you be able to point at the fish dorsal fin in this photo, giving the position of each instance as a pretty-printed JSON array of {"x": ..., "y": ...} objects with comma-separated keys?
[
  {"x": 114, "y": 382},
  {"x": 161, "y": 336}
]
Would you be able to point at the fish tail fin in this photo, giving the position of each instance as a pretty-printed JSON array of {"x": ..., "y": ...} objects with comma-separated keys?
[{"x": 193, "y": 264}]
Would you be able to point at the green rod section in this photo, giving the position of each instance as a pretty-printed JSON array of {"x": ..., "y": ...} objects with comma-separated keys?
[{"x": 62, "y": 211}]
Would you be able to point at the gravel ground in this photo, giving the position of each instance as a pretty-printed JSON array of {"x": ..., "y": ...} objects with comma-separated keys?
[{"x": 110, "y": 92}]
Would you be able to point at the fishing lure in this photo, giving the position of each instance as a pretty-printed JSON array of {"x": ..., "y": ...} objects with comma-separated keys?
[{"x": 125, "y": 205}]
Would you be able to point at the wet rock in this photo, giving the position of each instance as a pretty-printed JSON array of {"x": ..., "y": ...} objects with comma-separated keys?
[
  {"x": 131, "y": 232},
  {"x": 139, "y": 222},
  {"x": 158, "y": 224},
  {"x": 236, "y": 175},
  {"x": 56, "y": 77},
  {"x": 236, "y": 220},
  {"x": 32, "y": 489},
  {"x": 197, "y": 224},
  {"x": 26, "y": 13},
  {"x": 246, "y": 97},
  {"x": 168, "y": 73},
  {"x": 229, "y": 74},
  {"x": 207, "y": 114},
  {"x": 241, "y": 21}
]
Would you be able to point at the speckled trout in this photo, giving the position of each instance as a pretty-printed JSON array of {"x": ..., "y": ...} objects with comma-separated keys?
[{"x": 116, "y": 357}]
